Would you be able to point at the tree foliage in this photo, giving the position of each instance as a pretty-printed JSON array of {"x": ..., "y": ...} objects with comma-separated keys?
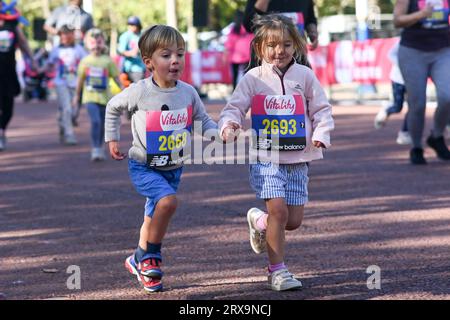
[{"x": 112, "y": 14}]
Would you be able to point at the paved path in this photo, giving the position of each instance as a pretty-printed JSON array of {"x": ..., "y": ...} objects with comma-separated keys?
[{"x": 367, "y": 207}]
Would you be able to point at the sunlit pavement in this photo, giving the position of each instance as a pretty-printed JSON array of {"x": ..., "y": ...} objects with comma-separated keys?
[{"x": 369, "y": 211}]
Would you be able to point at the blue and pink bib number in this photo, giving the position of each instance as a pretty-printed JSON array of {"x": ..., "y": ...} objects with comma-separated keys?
[
  {"x": 96, "y": 78},
  {"x": 68, "y": 68},
  {"x": 298, "y": 19},
  {"x": 168, "y": 135},
  {"x": 440, "y": 16},
  {"x": 278, "y": 122}
]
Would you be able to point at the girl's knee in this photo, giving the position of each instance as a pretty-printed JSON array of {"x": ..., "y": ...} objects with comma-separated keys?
[{"x": 280, "y": 213}]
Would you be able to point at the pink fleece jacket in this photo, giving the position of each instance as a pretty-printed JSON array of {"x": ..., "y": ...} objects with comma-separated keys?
[{"x": 298, "y": 80}]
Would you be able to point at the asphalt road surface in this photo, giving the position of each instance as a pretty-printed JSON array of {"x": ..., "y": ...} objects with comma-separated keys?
[{"x": 369, "y": 211}]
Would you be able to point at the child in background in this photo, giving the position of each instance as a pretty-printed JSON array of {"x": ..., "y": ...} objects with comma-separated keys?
[
  {"x": 66, "y": 58},
  {"x": 398, "y": 93},
  {"x": 94, "y": 73},
  {"x": 163, "y": 109},
  {"x": 292, "y": 120}
]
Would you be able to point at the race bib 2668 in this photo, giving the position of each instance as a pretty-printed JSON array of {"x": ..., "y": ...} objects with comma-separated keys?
[{"x": 168, "y": 135}]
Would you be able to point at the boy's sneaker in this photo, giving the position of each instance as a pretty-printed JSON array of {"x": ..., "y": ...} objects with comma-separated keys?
[
  {"x": 381, "y": 117},
  {"x": 404, "y": 138},
  {"x": 416, "y": 156},
  {"x": 438, "y": 145},
  {"x": 282, "y": 280},
  {"x": 150, "y": 284},
  {"x": 151, "y": 268},
  {"x": 257, "y": 237}
]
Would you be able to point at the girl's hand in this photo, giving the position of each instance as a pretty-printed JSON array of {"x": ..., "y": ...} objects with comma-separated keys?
[
  {"x": 231, "y": 132},
  {"x": 115, "y": 152},
  {"x": 318, "y": 144}
]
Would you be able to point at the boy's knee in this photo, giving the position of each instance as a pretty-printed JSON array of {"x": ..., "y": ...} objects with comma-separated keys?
[{"x": 168, "y": 204}]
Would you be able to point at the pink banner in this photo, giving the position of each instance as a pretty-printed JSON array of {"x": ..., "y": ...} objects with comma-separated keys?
[
  {"x": 340, "y": 62},
  {"x": 353, "y": 61}
]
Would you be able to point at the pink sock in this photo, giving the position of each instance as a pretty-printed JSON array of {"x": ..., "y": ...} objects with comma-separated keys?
[
  {"x": 276, "y": 267},
  {"x": 261, "y": 223}
]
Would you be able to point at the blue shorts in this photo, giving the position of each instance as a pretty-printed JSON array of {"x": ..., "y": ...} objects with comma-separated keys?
[
  {"x": 153, "y": 184},
  {"x": 288, "y": 181}
]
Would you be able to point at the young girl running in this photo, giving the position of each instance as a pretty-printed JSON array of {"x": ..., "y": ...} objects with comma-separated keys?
[
  {"x": 94, "y": 73},
  {"x": 291, "y": 122},
  {"x": 163, "y": 109}
]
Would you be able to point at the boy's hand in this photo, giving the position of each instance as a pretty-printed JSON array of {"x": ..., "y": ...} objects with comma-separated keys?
[
  {"x": 231, "y": 132},
  {"x": 318, "y": 144},
  {"x": 114, "y": 151}
]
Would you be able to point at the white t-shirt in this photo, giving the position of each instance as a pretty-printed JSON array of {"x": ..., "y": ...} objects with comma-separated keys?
[{"x": 66, "y": 60}]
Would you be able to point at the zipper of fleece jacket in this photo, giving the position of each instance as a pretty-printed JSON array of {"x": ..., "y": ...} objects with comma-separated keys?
[{"x": 282, "y": 83}]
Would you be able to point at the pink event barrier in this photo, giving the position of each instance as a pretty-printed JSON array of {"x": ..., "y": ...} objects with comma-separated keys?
[{"x": 339, "y": 62}]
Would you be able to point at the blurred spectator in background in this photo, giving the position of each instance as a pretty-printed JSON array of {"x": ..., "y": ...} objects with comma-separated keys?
[
  {"x": 133, "y": 66},
  {"x": 66, "y": 58},
  {"x": 425, "y": 52},
  {"x": 72, "y": 15},
  {"x": 398, "y": 94},
  {"x": 94, "y": 87},
  {"x": 301, "y": 11},
  {"x": 237, "y": 47},
  {"x": 11, "y": 37}
]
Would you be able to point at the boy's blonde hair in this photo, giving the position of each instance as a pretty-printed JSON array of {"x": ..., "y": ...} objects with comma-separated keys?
[
  {"x": 274, "y": 26},
  {"x": 159, "y": 36}
]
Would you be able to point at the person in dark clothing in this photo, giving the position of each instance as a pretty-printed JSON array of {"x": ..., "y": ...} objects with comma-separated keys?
[
  {"x": 11, "y": 36},
  {"x": 302, "y": 12},
  {"x": 425, "y": 52}
]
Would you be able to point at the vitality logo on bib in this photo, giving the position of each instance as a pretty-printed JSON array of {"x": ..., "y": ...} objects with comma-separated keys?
[
  {"x": 174, "y": 119},
  {"x": 279, "y": 105}
]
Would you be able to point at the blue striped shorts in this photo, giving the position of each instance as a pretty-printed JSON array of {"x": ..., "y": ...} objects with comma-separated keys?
[{"x": 288, "y": 181}]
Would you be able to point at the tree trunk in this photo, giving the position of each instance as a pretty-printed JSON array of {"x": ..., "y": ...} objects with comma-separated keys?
[{"x": 171, "y": 13}]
